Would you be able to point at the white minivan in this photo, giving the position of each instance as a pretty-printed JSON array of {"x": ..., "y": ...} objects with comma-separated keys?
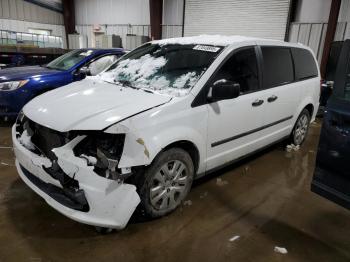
[{"x": 164, "y": 114}]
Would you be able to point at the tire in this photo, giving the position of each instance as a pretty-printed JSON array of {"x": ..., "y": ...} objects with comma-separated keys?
[
  {"x": 103, "y": 230},
  {"x": 165, "y": 183},
  {"x": 301, "y": 128}
]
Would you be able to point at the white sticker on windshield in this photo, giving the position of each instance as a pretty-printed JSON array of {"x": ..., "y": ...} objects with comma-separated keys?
[{"x": 206, "y": 48}]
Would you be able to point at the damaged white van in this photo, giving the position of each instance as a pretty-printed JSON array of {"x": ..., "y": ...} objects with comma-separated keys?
[{"x": 166, "y": 113}]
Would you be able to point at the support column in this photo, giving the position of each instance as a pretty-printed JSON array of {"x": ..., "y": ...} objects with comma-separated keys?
[
  {"x": 68, "y": 17},
  {"x": 331, "y": 28},
  {"x": 156, "y": 15},
  {"x": 293, "y": 4}
]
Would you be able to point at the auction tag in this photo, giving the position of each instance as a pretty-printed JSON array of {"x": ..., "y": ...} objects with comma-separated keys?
[{"x": 206, "y": 48}]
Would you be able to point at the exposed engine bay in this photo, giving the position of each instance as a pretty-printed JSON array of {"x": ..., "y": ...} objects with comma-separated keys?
[{"x": 78, "y": 170}]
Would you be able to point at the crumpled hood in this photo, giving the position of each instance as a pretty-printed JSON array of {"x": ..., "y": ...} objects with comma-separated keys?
[
  {"x": 25, "y": 72},
  {"x": 89, "y": 105}
]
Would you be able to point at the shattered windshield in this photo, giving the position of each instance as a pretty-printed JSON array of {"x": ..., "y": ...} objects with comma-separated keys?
[{"x": 169, "y": 69}]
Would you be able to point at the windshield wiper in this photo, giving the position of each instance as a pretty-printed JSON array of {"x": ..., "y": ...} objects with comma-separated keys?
[
  {"x": 148, "y": 91},
  {"x": 128, "y": 83},
  {"x": 125, "y": 83}
]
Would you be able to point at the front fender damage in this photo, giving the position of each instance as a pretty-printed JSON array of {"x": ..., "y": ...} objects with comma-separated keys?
[
  {"x": 136, "y": 151},
  {"x": 111, "y": 202}
]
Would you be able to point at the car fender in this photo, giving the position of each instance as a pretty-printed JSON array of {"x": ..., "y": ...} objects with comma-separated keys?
[
  {"x": 306, "y": 101},
  {"x": 144, "y": 140},
  {"x": 49, "y": 82}
]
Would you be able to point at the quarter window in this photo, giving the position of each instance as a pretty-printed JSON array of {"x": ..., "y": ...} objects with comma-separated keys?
[
  {"x": 277, "y": 66},
  {"x": 305, "y": 66},
  {"x": 241, "y": 68}
]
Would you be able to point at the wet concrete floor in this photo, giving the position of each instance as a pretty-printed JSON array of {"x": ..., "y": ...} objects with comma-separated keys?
[{"x": 266, "y": 200}]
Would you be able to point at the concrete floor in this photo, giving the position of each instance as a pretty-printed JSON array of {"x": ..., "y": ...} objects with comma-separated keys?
[{"x": 266, "y": 200}]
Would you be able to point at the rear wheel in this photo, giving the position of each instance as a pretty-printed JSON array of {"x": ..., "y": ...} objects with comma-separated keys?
[
  {"x": 301, "y": 128},
  {"x": 166, "y": 183}
]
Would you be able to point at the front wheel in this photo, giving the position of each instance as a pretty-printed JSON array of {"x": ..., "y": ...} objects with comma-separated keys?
[
  {"x": 103, "y": 230},
  {"x": 166, "y": 183},
  {"x": 301, "y": 128}
]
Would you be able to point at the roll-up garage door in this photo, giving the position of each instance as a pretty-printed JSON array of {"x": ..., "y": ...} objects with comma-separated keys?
[{"x": 258, "y": 18}]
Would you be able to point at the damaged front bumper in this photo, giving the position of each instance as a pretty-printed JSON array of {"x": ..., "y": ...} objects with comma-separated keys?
[{"x": 96, "y": 201}]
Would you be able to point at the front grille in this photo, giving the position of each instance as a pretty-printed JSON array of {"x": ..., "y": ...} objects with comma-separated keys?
[
  {"x": 4, "y": 109},
  {"x": 43, "y": 138}
]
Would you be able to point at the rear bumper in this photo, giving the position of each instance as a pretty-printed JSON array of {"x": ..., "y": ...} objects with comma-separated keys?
[{"x": 109, "y": 203}]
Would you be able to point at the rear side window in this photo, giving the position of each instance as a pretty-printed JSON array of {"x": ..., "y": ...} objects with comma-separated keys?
[
  {"x": 305, "y": 66},
  {"x": 277, "y": 66}
]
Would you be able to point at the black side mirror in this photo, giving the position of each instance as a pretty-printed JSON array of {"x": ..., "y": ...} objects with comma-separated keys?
[
  {"x": 85, "y": 70},
  {"x": 81, "y": 73},
  {"x": 222, "y": 90}
]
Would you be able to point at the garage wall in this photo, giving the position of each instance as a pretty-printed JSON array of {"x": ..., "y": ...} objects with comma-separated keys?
[
  {"x": 118, "y": 17},
  {"x": 344, "y": 13},
  {"x": 259, "y": 18},
  {"x": 311, "y": 24},
  {"x": 23, "y": 26},
  {"x": 19, "y": 16},
  {"x": 312, "y": 11},
  {"x": 112, "y": 12},
  {"x": 172, "y": 18},
  {"x": 21, "y": 10}
]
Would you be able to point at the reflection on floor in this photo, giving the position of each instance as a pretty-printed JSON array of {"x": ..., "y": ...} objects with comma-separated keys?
[{"x": 240, "y": 213}]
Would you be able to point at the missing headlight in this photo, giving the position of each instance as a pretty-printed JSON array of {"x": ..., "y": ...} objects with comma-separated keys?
[{"x": 103, "y": 151}]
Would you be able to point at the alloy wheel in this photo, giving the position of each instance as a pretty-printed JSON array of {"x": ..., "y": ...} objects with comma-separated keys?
[
  {"x": 169, "y": 185},
  {"x": 301, "y": 129}
]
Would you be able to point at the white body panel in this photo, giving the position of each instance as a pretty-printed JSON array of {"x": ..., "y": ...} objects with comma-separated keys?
[
  {"x": 228, "y": 119},
  {"x": 152, "y": 122},
  {"x": 89, "y": 105}
]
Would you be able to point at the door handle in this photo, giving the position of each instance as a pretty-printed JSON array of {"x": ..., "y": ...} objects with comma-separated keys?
[
  {"x": 258, "y": 102},
  {"x": 272, "y": 98}
]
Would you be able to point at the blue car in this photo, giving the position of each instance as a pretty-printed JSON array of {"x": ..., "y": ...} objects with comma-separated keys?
[{"x": 19, "y": 85}]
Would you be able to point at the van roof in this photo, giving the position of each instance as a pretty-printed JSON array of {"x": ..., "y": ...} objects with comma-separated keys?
[{"x": 220, "y": 40}]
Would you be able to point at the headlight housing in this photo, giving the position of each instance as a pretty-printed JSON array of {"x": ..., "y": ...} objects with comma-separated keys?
[
  {"x": 105, "y": 148},
  {"x": 12, "y": 85}
]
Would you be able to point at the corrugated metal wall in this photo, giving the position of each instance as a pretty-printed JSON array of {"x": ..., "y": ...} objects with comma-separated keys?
[
  {"x": 19, "y": 16},
  {"x": 260, "y": 18},
  {"x": 313, "y": 34},
  {"x": 312, "y": 11},
  {"x": 25, "y": 11},
  {"x": 23, "y": 26},
  {"x": 135, "y": 12},
  {"x": 344, "y": 13},
  {"x": 172, "y": 18}
]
